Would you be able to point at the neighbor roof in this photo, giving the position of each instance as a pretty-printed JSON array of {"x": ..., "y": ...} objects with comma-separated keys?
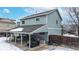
[
  {"x": 39, "y": 14},
  {"x": 6, "y": 20}
]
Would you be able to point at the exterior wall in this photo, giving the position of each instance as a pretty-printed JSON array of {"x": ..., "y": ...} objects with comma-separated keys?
[
  {"x": 7, "y": 24},
  {"x": 33, "y": 21},
  {"x": 54, "y": 31},
  {"x": 53, "y": 27},
  {"x": 46, "y": 37},
  {"x": 18, "y": 23}
]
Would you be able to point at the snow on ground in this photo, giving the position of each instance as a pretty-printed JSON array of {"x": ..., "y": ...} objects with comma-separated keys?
[
  {"x": 70, "y": 35},
  {"x": 6, "y": 46},
  {"x": 59, "y": 49}
]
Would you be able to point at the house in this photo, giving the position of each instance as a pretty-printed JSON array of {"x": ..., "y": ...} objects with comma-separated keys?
[
  {"x": 41, "y": 25},
  {"x": 18, "y": 23},
  {"x": 6, "y": 24}
]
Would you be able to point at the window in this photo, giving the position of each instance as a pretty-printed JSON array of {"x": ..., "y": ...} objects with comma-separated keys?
[
  {"x": 42, "y": 33},
  {"x": 37, "y": 19},
  {"x": 23, "y": 22},
  {"x": 56, "y": 21}
]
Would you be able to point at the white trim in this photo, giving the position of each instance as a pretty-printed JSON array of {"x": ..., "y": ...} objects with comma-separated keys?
[
  {"x": 18, "y": 32},
  {"x": 54, "y": 28},
  {"x": 37, "y": 29},
  {"x": 6, "y": 36},
  {"x": 29, "y": 41},
  {"x": 15, "y": 37},
  {"x": 47, "y": 37},
  {"x": 46, "y": 19},
  {"x": 11, "y": 36}
]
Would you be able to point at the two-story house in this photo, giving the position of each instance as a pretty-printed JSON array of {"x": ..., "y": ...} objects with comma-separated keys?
[{"x": 41, "y": 25}]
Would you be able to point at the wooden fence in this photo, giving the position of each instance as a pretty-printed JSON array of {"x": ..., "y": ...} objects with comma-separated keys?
[{"x": 71, "y": 41}]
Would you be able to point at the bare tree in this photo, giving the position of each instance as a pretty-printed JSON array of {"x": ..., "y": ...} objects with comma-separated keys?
[{"x": 74, "y": 15}]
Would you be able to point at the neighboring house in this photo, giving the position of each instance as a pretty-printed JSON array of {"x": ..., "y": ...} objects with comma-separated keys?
[
  {"x": 41, "y": 25},
  {"x": 6, "y": 24},
  {"x": 18, "y": 24}
]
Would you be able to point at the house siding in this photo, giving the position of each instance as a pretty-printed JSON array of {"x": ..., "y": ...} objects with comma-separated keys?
[
  {"x": 33, "y": 21},
  {"x": 54, "y": 31},
  {"x": 49, "y": 20},
  {"x": 55, "y": 27},
  {"x": 7, "y": 24}
]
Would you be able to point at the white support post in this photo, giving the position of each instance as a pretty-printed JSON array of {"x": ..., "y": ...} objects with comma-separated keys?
[
  {"x": 29, "y": 40},
  {"x": 15, "y": 37},
  {"x": 46, "y": 19},
  {"x": 47, "y": 37},
  {"x": 11, "y": 37},
  {"x": 21, "y": 40},
  {"x": 6, "y": 36}
]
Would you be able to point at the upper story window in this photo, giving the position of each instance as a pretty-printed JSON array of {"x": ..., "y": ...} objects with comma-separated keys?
[
  {"x": 37, "y": 19},
  {"x": 23, "y": 22},
  {"x": 56, "y": 21}
]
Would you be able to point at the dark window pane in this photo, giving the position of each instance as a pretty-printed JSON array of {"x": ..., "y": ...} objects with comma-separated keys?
[
  {"x": 37, "y": 19},
  {"x": 42, "y": 33},
  {"x": 56, "y": 21},
  {"x": 23, "y": 22}
]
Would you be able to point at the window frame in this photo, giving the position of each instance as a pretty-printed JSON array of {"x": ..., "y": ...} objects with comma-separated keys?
[
  {"x": 56, "y": 21},
  {"x": 37, "y": 19},
  {"x": 23, "y": 22}
]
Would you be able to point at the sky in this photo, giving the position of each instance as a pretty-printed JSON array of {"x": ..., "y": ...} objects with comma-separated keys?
[{"x": 17, "y": 13}]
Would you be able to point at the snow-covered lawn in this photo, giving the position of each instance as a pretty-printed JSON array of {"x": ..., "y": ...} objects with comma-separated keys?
[
  {"x": 59, "y": 48},
  {"x": 6, "y": 46}
]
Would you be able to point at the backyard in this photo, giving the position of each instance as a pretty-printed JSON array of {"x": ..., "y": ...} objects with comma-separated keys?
[{"x": 5, "y": 46}]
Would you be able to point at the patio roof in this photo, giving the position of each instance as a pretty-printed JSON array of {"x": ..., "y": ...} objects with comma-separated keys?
[
  {"x": 29, "y": 29},
  {"x": 26, "y": 29}
]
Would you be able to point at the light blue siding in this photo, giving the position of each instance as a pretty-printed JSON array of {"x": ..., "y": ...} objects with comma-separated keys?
[
  {"x": 54, "y": 31},
  {"x": 49, "y": 20},
  {"x": 52, "y": 18},
  {"x": 42, "y": 20}
]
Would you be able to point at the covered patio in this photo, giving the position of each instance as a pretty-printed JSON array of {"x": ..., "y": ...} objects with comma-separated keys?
[{"x": 29, "y": 31}]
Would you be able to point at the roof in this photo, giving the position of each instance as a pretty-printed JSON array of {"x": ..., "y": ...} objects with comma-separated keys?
[
  {"x": 6, "y": 20},
  {"x": 28, "y": 28},
  {"x": 5, "y": 28},
  {"x": 39, "y": 14}
]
